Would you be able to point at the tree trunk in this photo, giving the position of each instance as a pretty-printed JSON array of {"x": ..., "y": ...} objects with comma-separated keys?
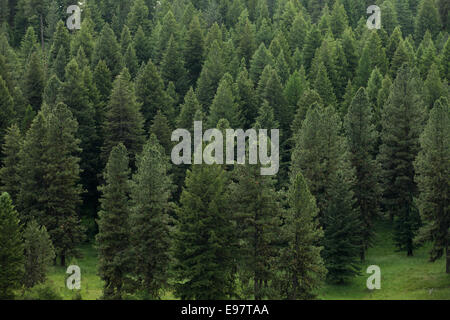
[
  {"x": 362, "y": 254},
  {"x": 448, "y": 259},
  {"x": 255, "y": 288},
  {"x": 42, "y": 32},
  {"x": 63, "y": 260}
]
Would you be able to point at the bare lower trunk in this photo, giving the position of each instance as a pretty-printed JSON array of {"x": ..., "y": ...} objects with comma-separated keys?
[
  {"x": 42, "y": 32},
  {"x": 63, "y": 260},
  {"x": 448, "y": 259}
]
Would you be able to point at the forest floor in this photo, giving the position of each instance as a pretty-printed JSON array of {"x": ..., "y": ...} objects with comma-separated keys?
[{"x": 402, "y": 277}]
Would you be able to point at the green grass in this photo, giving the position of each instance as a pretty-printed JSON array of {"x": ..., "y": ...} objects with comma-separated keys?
[
  {"x": 402, "y": 277},
  {"x": 91, "y": 284}
]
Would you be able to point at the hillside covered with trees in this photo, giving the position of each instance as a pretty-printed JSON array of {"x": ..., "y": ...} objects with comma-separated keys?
[{"x": 87, "y": 115}]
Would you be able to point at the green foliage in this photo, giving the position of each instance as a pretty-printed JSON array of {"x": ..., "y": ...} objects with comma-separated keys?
[
  {"x": 34, "y": 82},
  {"x": 224, "y": 104},
  {"x": 6, "y": 107},
  {"x": 9, "y": 175},
  {"x": 300, "y": 264},
  {"x": 123, "y": 119},
  {"x": 150, "y": 238},
  {"x": 45, "y": 291},
  {"x": 204, "y": 237},
  {"x": 114, "y": 235},
  {"x": 432, "y": 177},
  {"x": 11, "y": 250},
  {"x": 39, "y": 254},
  {"x": 189, "y": 109},
  {"x": 402, "y": 123},
  {"x": 107, "y": 48},
  {"x": 194, "y": 50},
  {"x": 342, "y": 243},
  {"x": 362, "y": 138},
  {"x": 212, "y": 72},
  {"x": 256, "y": 212},
  {"x": 427, "y": 19}
]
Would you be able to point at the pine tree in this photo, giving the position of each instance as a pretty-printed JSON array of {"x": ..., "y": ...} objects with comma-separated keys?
[
  {"x": 445, "y": 61},
  {"x": 172, "y": 67},
  {"x": 404, "y": 16},
  {"x": 394, "y": 40},
  {"x": 161, "y": 129},
  {"x": 29, "y": 44},
  {"x": 342, "y": 225},
  {"x": 60, "y": 197},
  {"x": 427, "y": 19},
  {"x": 245, "y": 37},
  {"x": 300, "y": 264},
  {"x": 188, "y": 110},
  {"x": 271, "y": 90},
  {"x": 374, "y": 86},
  {"x": 150, "y": 237},
  {"x": 312, "y": 42},
  {"x": 124, "y": 121},
  {"x": 400, "y": 57},
  {"x": 11, "y": 250},
  {"x": 432, "y": 177},
  {"x": 257, "y": 210},
  {"x": 245, "y": 98},
  {"x": 224, "y": 105},
  {"x": 426, "y": 55},
  {"x": 402, "y": 122},
  {"x": 319, "y": 152},
  {"x": 125, "y": 39},
  {"x": 84, "y": 38},
  {"x": 194, "y": 50},
  {"x": 130, "y": 61},
  {"x": 6, "y": 108},
  {"x": 34, "y": 82},
  {"x": 433, "y": 87},
  {"x": 373, "y": 55},
  {"x": 212, "y": 72},
  {"x": 258, "y": 63},
  {"x": 39, "y": 254},
  {"x": 351, "y": 54},
  {"x": 338, "y": 19},
  {"x": 113, "y": 237},
  {"x": 297, "y": 32},
  {"x": 204, "y": 237},
  {"x": 362, "y": 139},
  {"x": 9, "y": 175},
  {"x": 169, "y": 28},
  {"x": 107, "y": 48},
  {"x": 390, "y": 19},
  {"x": 150, "y": 92},
  {"x": 61, "y": 39},
  {"x": 102, "y": 79},
  {"x": 51, "y": 90},
  {"x": 323, "y": 86},
  {"x": 142, "y": 46},
  {"x": 74, "y": 94},
  {"x": 31, "y": 170},
  {"x": 138, "y": 15}
]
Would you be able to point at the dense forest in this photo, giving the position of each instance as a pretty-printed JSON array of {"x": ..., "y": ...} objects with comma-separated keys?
[{"x": 86, "y": 122}]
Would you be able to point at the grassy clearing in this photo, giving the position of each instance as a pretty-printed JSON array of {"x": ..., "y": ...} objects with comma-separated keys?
[{"x": 402, "y": 277}]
